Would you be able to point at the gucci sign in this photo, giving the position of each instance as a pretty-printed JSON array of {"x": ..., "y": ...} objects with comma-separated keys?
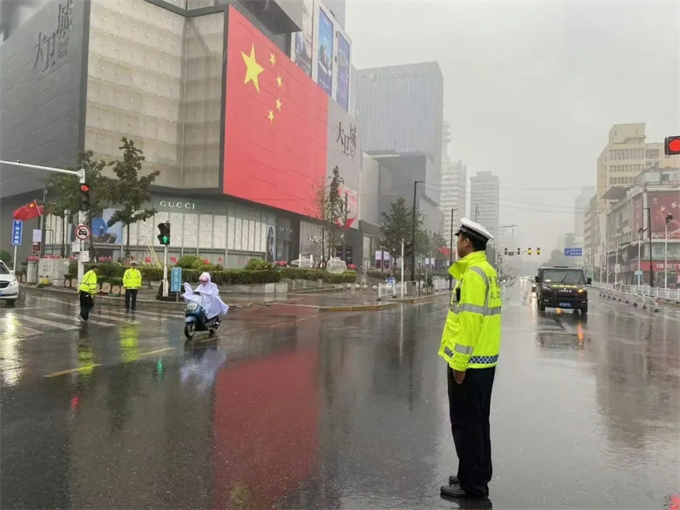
[{"x": 177, "y": 205}]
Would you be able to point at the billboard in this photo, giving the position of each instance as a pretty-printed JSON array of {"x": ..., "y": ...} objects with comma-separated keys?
[
  {"x": 342, "y": 89},
  {"x": 325, "y": 50},
  {"x": 275, "y": 124},
  {"x": 302, "y": 47},
  {"x": 661, "y": 204}
]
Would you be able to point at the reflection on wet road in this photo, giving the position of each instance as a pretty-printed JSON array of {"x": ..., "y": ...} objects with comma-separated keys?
[{"x": 287, "y": 408}]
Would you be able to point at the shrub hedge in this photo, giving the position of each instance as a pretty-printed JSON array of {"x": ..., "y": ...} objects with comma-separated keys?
[{"x": 113, "y": 272}]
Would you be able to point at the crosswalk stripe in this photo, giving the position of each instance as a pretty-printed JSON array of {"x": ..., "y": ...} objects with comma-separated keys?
[
  {"x": 22, "y": 331},
  {"x": 74, "y": 319},
  {"x": 137, "y": 312},
  {"x": 108, "y": 315},
  {"x": 44, "y": 322}
]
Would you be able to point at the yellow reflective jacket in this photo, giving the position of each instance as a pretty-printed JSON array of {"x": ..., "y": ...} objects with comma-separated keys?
[
  {"x": 472, "y": 334},
  {"x": 89, "y": 282},
  {"x": 132, "y": 279}
]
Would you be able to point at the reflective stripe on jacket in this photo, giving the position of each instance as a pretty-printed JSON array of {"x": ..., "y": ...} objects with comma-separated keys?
[
  {"x": 89, "y": 282},
  {"x": 472, "y": 333},
  {"x": 132, "y": 279}
]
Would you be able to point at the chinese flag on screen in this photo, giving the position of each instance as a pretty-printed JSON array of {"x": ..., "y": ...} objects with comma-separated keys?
[
  {"x": 276, "y": 123},
  {"x": 29, "y": 211}
]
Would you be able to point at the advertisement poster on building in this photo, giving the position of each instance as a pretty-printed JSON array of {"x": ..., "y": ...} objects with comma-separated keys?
[
  {"x": 102, "y": 233},
  {"x": 271, "y": 243},
  {"x": 661, "y": 206},
  {"x": 325, "y": 64},
  {"x": 302, "y": 41},
  {"x": 342, "y": 91}
]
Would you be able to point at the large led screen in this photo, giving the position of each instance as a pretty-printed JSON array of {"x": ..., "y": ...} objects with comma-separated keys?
[{"x": 275, "y": 124}]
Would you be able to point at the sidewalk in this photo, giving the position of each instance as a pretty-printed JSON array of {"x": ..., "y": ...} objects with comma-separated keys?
[{"x": 337, "y": 301}]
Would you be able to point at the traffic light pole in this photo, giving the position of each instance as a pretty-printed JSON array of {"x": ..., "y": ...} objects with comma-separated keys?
[
  {"x": 413, "y": 233},
  {"x": 165, "y": 272},
  {"x": 81, "y": 215}
]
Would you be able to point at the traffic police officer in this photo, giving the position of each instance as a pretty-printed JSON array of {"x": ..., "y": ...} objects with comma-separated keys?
[
  {"x": 132, "y": 281},
  {"x": 470, "y": 345},
  {"x": 87, "y": 290}
]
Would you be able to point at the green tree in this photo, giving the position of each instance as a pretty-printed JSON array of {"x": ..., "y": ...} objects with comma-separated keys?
[
  {"x": 63, "y": 190},
  {"x": 397, "y": 225},
  {"x": 329, "y": 209},
  {"x": 131, "y": 191}
]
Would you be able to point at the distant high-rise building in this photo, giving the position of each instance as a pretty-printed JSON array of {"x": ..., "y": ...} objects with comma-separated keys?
[
  {"x": 580, "y": 206},
  {"x": 400, "y": 114},
  {"x": 485, "y": 194},
  {"x": 454, "y": 187}
]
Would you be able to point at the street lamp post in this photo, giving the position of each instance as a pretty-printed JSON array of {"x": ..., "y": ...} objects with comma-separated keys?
[
  {"x": 639, "y": 262},
  {"x": 413, "y": 233},
  {"x": 649, "y": 236},
  {"x": 451, "y": 250},
  {"x": 669, "y": 218}
]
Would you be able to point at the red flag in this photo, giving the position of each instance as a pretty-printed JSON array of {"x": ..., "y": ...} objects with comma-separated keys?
[
  {"x": 29, "y": 211},
  {"x": 276, "y": 123}
]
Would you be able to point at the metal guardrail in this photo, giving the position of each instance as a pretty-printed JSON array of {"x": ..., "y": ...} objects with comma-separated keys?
[{"x": 638, "y": 295}]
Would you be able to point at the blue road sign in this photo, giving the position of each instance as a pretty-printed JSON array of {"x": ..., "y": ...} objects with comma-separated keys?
[
  {"x": 573, "y": 252},
  {"x": 175, "y": 279},
  {"x": 17, "y": 232}
]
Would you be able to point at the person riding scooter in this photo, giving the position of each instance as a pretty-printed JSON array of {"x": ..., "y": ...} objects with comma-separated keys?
[{"x": 207, "y": 295}]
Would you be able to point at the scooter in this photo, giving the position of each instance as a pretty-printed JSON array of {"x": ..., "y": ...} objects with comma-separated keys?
[{"x": 194, "y": 320}]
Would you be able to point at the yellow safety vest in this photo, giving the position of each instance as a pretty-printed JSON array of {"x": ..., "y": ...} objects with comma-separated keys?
[
  {"x": 472, "y": 334},
  {"x": 89, "y": 282},
  {"x": 132, "y": 279}
]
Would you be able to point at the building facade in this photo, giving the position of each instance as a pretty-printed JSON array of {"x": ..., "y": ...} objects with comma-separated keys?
[
  {"x": 454, "y": 188},
  {"x": 240, "y": 144},
  {"x": 485, "y": 189}
]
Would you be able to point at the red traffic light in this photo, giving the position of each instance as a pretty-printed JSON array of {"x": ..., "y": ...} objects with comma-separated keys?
[
  {"x": 84, "y": 188},
  {"x": 672, "y": 145}
]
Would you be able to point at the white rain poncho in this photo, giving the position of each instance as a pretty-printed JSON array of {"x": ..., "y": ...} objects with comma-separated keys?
[{"x": 209, "y": 298}]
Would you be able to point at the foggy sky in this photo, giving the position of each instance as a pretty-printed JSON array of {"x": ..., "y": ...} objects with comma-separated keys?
[{"x": 531, "y": 89}]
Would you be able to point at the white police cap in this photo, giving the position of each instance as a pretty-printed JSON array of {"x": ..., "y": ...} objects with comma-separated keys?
[{"x": 471, "y": 228}]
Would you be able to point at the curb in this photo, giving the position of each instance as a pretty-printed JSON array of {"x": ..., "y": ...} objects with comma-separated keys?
[
  {"x": 360, "y": 308},
  {"x": 120, "y": 300}
]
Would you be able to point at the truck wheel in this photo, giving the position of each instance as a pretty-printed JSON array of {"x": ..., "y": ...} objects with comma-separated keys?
[
  {"x": 584, "y": 310},
  {"x": 10, "y": 302},
  {"x": 541, "y": 306}
]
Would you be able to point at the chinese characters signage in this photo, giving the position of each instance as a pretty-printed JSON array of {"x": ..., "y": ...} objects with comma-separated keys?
[
  {"x": 347, "y": 139},
  {"x": 53, "y": 47}
]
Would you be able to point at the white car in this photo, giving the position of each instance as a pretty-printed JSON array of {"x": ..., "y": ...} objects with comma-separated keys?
[{"x": 9, "y": 286}]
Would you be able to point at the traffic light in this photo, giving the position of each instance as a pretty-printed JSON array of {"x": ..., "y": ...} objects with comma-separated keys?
[
  {"x": 506, "y": 251},
  {"x": 538, "y": 251},
  {"x": 84, "y": 197},
  {"x": 408, "y": 250},
  {"x": 164, "y": 236},
  {"x": 519, "y": 251},
  {"x": 672, "y": 145},
  {"x": 529, "y": 251}
]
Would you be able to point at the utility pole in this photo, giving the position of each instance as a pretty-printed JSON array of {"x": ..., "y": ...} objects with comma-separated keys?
[
  {"x": 402, "y": 269},
  {"x": 669, "y": 218},
  {"x": 649, "y": 236},
  {"x": 413, "y": 233}
]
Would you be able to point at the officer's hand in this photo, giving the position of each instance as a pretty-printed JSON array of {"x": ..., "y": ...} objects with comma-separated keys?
[{"x": 459, "y": 376}]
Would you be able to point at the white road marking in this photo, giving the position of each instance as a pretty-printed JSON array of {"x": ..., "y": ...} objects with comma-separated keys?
[
  {"x": 44, "y": 322},
  {"x": 74, "y": 319}
]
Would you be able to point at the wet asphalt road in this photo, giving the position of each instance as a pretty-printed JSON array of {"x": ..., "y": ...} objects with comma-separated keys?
[{"x": 290, "y": 408}]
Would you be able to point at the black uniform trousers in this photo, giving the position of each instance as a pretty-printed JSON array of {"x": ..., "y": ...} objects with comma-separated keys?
[
  {"x": 86, "y": 304},
  {"x": 130, "y": 295},
  {"x": 469, "y": 408}
]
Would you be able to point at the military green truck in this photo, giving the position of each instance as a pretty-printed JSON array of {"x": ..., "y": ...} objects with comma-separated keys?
[{"x": 562, "y": 287}]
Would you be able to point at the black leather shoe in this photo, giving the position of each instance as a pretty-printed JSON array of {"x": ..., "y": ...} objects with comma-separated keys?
[
  {"x": 453, "y": 480},
  {"x": 451, "y": 491}
]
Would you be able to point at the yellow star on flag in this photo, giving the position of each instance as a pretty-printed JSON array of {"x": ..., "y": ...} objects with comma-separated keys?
[
  {"x": 279, "y": 81},
  {"x": 253, "y": 69},
  {"x": 272, "y": 58},
  {"x": 271, "y": 116},
  {"x": 278, "y": 104}
]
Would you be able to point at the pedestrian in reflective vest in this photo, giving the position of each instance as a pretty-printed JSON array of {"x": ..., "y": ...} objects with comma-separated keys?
[
  {"x": 88, "y": 288},
  {"x": 132, "y": 281},
  {"x": 470, "y": 345}
]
